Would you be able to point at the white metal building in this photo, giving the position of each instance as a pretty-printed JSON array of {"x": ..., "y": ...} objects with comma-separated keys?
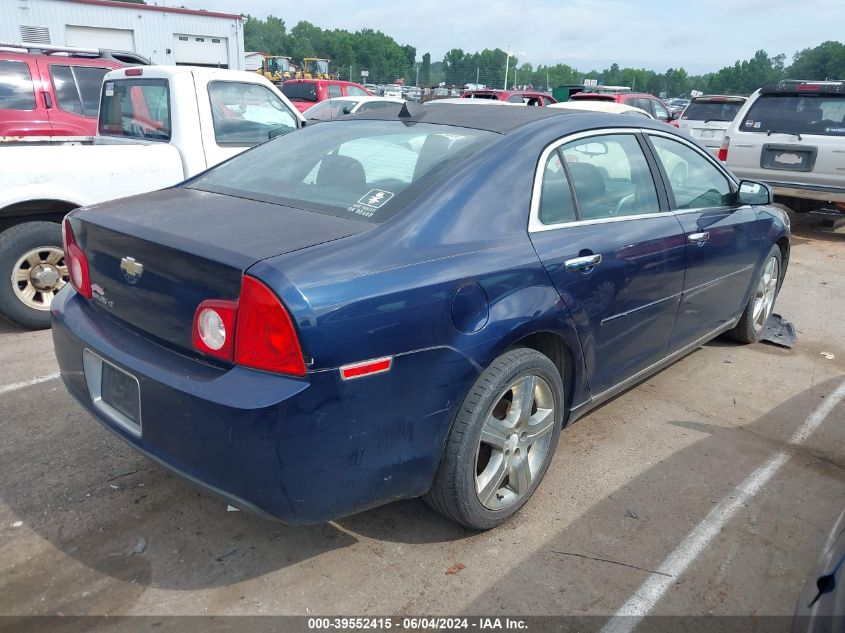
[{"x": 163, "y": 34}]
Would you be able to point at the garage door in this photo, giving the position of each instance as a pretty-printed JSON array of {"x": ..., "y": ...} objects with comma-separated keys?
[
  {"x": 95, "y": 37},
  {"x": 200, "y": 50}
]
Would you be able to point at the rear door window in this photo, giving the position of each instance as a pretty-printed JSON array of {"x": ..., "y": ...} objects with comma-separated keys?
[
  {"x": 16, "y": 91},
  {"x": 556, "y": 202},
  {"x": 696, "y": 182},
  {"x": 334, "y": 91},
  {"x": 77, "y": 88},
  {"x": 136, "y": 108},
  {"x": 247, "y": 114},
  {"x": 89, "y": 82},
  {"x": 64, "y": 85},
  {"x": 610, "y": 177},
  {"x": 796, "y": 114},
  {"x": 355, "y": 91},
  {"x": 660, "y": 111},
  {"x": 300, "y": 91}
]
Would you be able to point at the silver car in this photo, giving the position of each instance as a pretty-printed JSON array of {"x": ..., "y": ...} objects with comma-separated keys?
[
  {"x": 706, "y": 118},
  {"x": 791, "y": 135}
]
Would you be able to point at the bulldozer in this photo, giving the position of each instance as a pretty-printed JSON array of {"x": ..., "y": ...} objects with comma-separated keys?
[
  {"x": 315, "y": 68},
  {"x": 276, "y": 68}
]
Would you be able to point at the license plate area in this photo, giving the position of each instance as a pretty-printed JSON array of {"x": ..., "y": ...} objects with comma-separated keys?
[
  {"x": 788, "y": 157},
  {"x": 114, "y": 392}
]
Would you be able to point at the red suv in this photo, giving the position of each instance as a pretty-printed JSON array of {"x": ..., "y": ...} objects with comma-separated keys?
[
  {"x": 54, "y": 91},
  {"x": 642, "y": 100},
  {"x": 304, "y": 93},
  {"x": 528, "y": 97}
]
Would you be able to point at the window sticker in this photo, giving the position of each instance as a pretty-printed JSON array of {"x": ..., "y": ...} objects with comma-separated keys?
[
  {"x": 376, "y": 198},
  {"x": 109, "y": 89},
  {"x": 749, "y": 123}
]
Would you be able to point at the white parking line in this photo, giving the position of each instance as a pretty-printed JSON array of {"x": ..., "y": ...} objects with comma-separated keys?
[
  {"x": 27, "y": 383},
  {"x": 652, "y": 590}
]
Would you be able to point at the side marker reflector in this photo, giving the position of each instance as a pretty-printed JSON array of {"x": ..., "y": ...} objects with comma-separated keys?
[{"x": 366, "y": 368}]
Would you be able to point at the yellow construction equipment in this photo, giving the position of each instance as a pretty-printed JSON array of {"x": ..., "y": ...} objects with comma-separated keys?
[
  {"x": 315, "y": 68},
  {"x": 276, "y": 68}
]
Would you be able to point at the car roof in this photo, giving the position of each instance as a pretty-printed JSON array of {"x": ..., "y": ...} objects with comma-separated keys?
[
  {"x": 600, "y": 106},
  {"x": 487, "y": 117}
]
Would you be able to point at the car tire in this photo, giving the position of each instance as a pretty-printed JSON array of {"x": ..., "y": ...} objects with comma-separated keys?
[
  {"x": 492, "y": 440},
  {"x": 44, "y": 239},
  {"x": 751, "y": 324}
]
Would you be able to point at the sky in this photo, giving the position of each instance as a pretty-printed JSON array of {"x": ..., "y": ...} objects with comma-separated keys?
[{"x": 699, "y": 35}]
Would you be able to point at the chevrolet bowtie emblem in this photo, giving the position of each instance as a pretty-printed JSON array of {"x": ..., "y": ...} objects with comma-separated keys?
[{"x": 132, "y": 270}]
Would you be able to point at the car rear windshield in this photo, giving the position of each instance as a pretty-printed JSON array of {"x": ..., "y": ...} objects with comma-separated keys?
[
  {"x": 136, "y": 108},
  {"x": 16, "y": 91},
  {"x": 302, "y": 92},
  {"x": 797, "y": 114},
  {"x": 712, "y": 110},
  {"x": 366, "y": 170}
]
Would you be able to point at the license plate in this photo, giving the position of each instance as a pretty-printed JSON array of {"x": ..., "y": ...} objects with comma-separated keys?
[
  {"x": 114, "y": 392},
  {"x": 789, "y": 158},
  {"x": 708, "y": 133}
]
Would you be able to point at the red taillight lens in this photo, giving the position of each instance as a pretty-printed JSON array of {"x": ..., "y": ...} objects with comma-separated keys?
[
  {"x": 76, "y": 262},
  {"x": 265, "y": 337},
  {"x": 255, "y": 331},
  {"x": 723, "y": 150},
  {"x": 214, "y": 328}
]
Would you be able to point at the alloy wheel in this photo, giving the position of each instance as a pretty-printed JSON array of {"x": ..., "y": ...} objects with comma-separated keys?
[{"x": 764, "y": 295}]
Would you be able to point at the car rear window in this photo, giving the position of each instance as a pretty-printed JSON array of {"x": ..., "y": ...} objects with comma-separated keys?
[
  {"x": 136, "y": 108},
  {"x": 302, "y": 92},
  {"x": 797, "y": 114},
  {"x": 16, "y": 91},
  {"x": 712, "y": 110},
  {"x": 366, "y": 170}
]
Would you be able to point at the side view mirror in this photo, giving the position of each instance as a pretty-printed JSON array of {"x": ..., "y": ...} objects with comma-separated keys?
[
  {"x": 674, "y": 115},
  {"x": 347, "y": 109},
  {"x": 754, "y": 193}
]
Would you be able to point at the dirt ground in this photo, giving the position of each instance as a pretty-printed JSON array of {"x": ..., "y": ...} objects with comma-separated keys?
[{"x": 87, "y": 526}]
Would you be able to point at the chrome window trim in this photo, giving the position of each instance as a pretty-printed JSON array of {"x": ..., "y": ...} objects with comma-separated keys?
[
  {"x": 534, "y": 223},
  {"x": 536, "y": 226}
]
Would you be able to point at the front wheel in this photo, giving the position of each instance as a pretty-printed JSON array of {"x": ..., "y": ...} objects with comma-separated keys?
[
  {"x": 501, "y": 442},
  {"x": 762, "y": 302},
  {"x": 32, "y": 271}
]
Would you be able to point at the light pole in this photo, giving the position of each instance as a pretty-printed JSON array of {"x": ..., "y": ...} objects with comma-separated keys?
[{"x": 507, "y": 67}]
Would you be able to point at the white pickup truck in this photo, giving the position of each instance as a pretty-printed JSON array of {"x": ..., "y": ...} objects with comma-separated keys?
[{"x": 158, "y": 126}]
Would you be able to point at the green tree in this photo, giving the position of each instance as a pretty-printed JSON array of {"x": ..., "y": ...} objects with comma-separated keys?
[{"x": 425, "y": 69}]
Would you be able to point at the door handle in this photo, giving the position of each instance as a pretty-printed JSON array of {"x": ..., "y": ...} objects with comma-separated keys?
[
  {"x": 583, "y": 264},
  {"x": 48, "y": 100},
  {"x": 699, "y": 238}
]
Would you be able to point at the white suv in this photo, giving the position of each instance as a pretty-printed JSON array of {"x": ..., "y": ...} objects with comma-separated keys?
[
  {"x": 706, "y": 118},
  {"x": 792, "y": 136}
]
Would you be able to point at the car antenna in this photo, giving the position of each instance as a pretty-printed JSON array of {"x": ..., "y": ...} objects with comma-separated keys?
[{"x": 405, "y": 113}]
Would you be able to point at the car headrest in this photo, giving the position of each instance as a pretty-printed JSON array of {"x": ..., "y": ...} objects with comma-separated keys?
[{"x": 341, "y": 171}]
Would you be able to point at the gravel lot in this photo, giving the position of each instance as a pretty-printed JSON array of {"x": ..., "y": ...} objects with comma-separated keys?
[{"x": 89, "y": 527}]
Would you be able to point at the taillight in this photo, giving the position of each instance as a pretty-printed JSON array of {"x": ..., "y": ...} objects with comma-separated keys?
[
  {"x": 214, "y": 328},
  {"x": 255, "y": 331},
  {"x": 723, "y": 150},
  {"x": 76, "y": 262}
]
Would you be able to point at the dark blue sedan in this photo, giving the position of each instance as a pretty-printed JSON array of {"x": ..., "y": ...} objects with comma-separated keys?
[{"x": 407, "y": 303}]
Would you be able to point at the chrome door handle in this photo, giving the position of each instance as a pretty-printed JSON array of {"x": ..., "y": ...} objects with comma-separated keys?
[
  {"x": 699, "y": 238},
  {"x": 583, "y": 264}
]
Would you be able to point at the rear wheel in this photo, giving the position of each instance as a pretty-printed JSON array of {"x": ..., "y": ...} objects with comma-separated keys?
[
  {"x": 32, "y": 271},
  {"x": 501, "y": 442},
  {"x": 762, "y": 302}
]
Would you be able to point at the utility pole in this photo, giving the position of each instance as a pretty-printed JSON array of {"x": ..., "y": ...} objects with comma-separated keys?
[
  {"x": 477, "y": 69},
  {"x": 350, "y": 72},
  {"x": 417, "y": 82},
  {"x": 548, "y": 85},
  {"x": 507, "y": 67}
]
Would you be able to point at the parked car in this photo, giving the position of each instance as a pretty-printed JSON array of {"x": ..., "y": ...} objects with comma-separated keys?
[
  {"x": 410, "y": 307},
  {"x": 528, "y": 97},
  {"x": 304, "y": 93},
  {"x": 791, "y": 135},
  {"x": 393, "y": 92},
  {"x": 610, "y": 107},
  {"x": 676, "y": 106},
  {"x": 341, "y": 106},
  {"x": 821, "y": 605},
  {"x": 706, "y": 118},
  {"x": 641, "y": 100},
  {"x": 157, "y": 126},
  {"x": 53, "y": 90}
]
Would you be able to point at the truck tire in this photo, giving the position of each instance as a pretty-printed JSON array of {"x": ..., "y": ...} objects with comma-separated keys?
[{"x": 32, "y": 270}]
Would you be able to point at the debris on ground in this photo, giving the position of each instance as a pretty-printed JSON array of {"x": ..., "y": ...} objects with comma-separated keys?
[
  {"x": 778, "y": 331},
  {"x": 630, "y": 514},
  {"x": 455, "y": 569},
  {"x": 140, "y": 546},
  {"x": 828, "y": 355},
  {"x": 17, "y": 524}
]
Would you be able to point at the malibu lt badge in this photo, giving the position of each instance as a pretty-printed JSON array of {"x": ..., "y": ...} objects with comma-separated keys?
[{"x": 132, "y": 270}]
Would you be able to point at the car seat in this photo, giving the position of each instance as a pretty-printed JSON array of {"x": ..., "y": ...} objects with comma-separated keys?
[
  {"x": 590, "y": 189},
  {"x": 341, "y": 171}
]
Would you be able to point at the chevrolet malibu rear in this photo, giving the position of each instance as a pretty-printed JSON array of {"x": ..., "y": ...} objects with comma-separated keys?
[{"x": 207, "y": 327}]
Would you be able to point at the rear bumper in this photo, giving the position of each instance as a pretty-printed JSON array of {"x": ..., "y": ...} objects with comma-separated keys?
[
  {"x": 808, "y": 192},
  {"x": 299, "y": 450}
]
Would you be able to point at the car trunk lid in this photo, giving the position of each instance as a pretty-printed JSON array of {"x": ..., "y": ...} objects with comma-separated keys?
[{"x": 154, "y": 258}]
